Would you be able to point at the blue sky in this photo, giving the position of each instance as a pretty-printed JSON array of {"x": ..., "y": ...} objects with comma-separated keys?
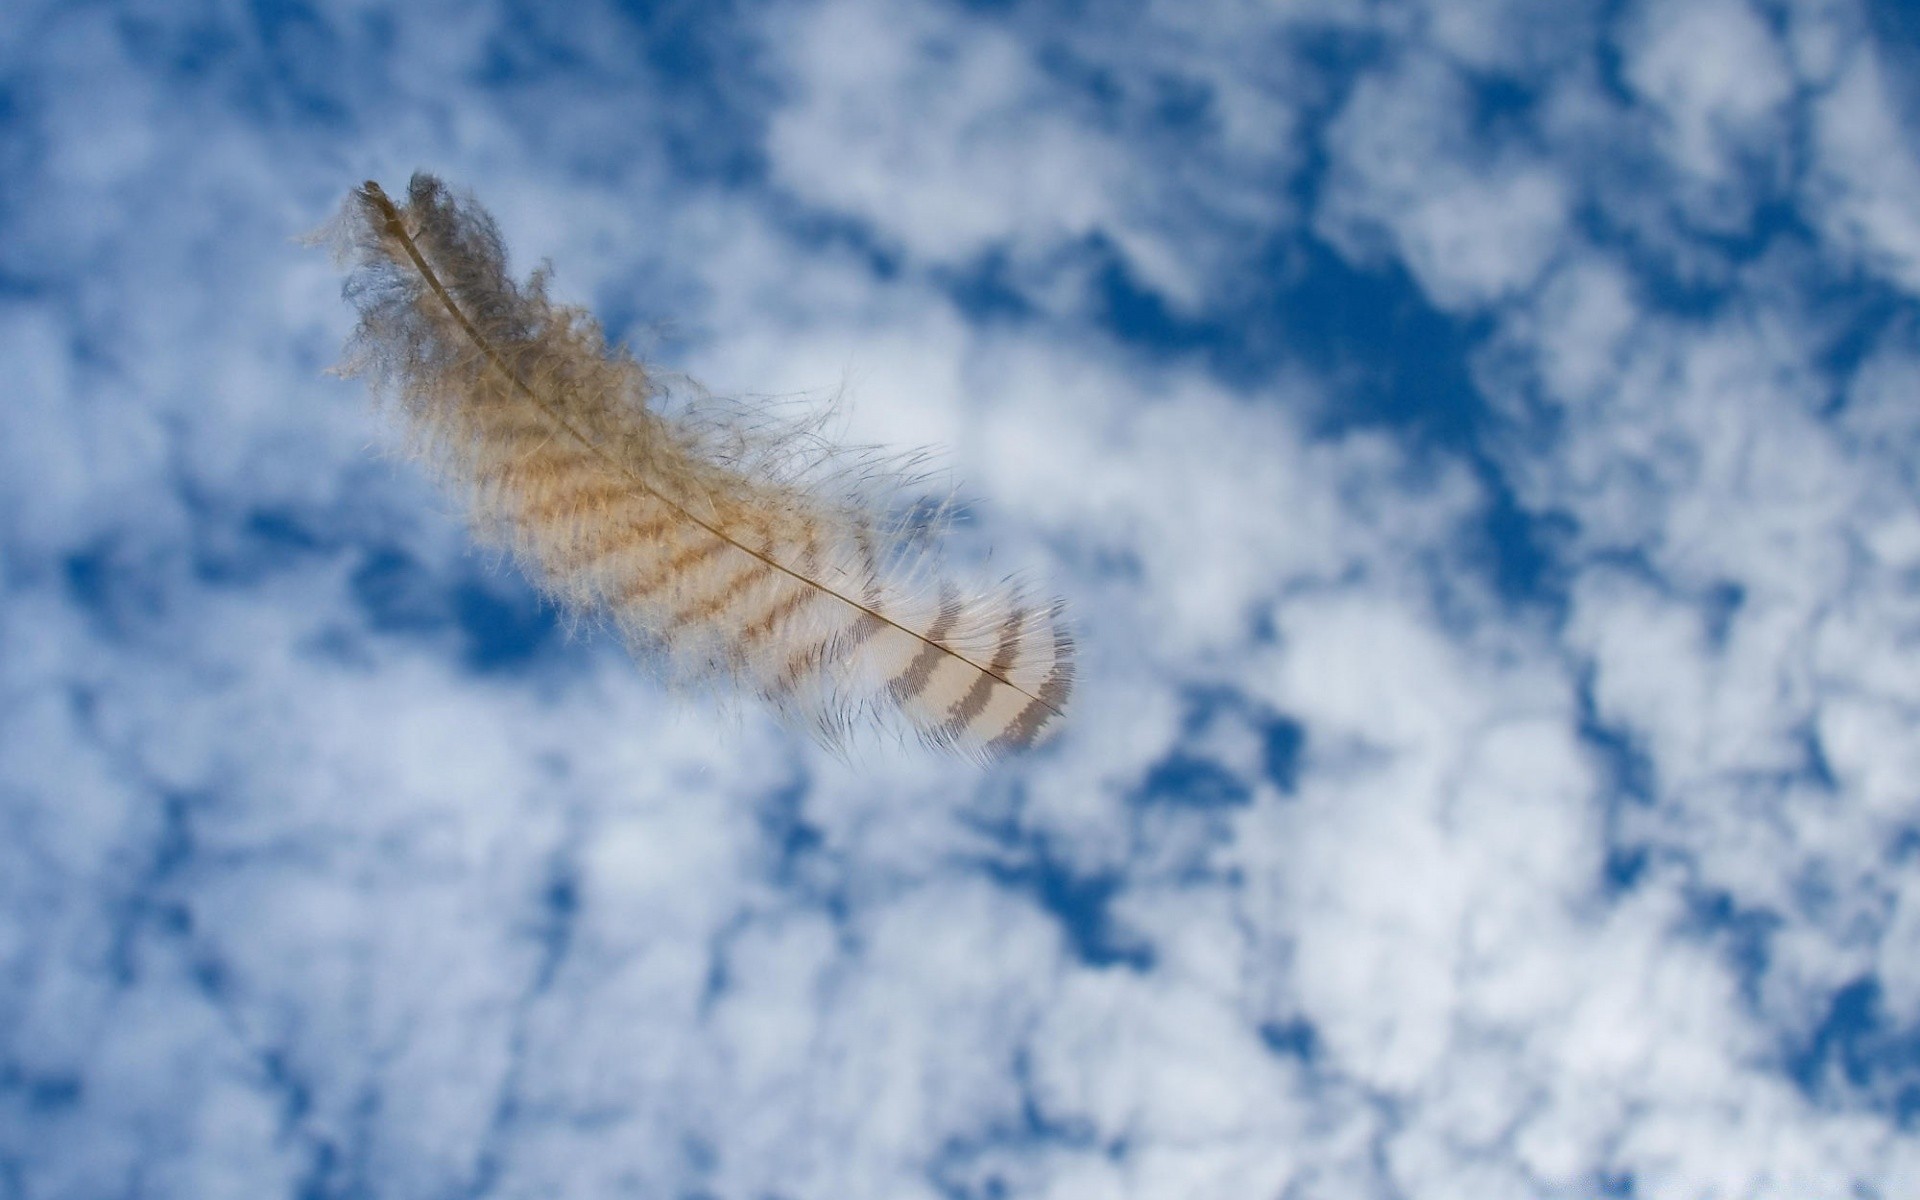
[{"x": 1475, "y": 441}]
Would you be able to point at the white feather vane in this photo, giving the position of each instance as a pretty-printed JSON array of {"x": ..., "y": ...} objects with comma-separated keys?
[{"x": 726, "y": 545}]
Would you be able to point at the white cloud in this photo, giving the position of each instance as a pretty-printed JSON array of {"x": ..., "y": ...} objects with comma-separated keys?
[
  {"x": 1509, "y": 37},
  {"x": 1474, "y": 227},
  {"x": 956, "y": 138},
  {"x": 1864, "y": 174},
  {"x": 938, "y": 130},
  {"x": 1715, "y": 75}
]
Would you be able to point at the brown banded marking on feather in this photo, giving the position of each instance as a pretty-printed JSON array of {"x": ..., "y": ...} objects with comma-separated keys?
[
  {"x": 692, "y": 556},
  {"x": 750, "y": 532},
  {"x": 521, "y": 473},
  {"x": 517, "y": 428},
  {"x": 868, "y": 621},
  {"x": 606, "y": 545},
  {"x": 957, "y": 682},
  {"x": 911, "y": 681},
  {"x": 867, "y": 618},
  {"x": 578, "y": 516},
  {"x": 742, "y": 533},
  {"x": 869, "y": 563},
  {"x": 498, "y": 427},
  {"x": 615, "y": 551},
  {"x": 762, "y": 627},
  {"x": 596, "y": 537},
  {"x": 528, "y": 461},
  {"x": 507, "y": 464},
  {"x": 562, "y": 499},
  {"x": 1025, "y": 727},
  {"x": 1002, "y": 720},
  {"x": 566, "y": 497},
  {"x": 624, "y": 537},
  {"x": 865, "y": 626},
  {"x": 668, "y": 572},
  {"x": 807, "y": 657},
  {"x": 809, "y": 558},
  {"x": 1005, "y": 655},
  {"x": 801, "y": 662},
  {"x": 800, "y": 594},
  {"x": 724, "y": 596}
]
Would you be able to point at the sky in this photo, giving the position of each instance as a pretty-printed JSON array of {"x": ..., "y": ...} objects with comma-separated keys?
[{"x": 1475, "y": 440}]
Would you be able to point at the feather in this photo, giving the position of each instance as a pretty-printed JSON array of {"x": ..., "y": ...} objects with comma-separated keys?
[{"x": 735, "y": 548}]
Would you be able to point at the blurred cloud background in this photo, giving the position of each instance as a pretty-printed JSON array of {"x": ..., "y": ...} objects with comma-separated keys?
[{"x": 1477, "y": 441}]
